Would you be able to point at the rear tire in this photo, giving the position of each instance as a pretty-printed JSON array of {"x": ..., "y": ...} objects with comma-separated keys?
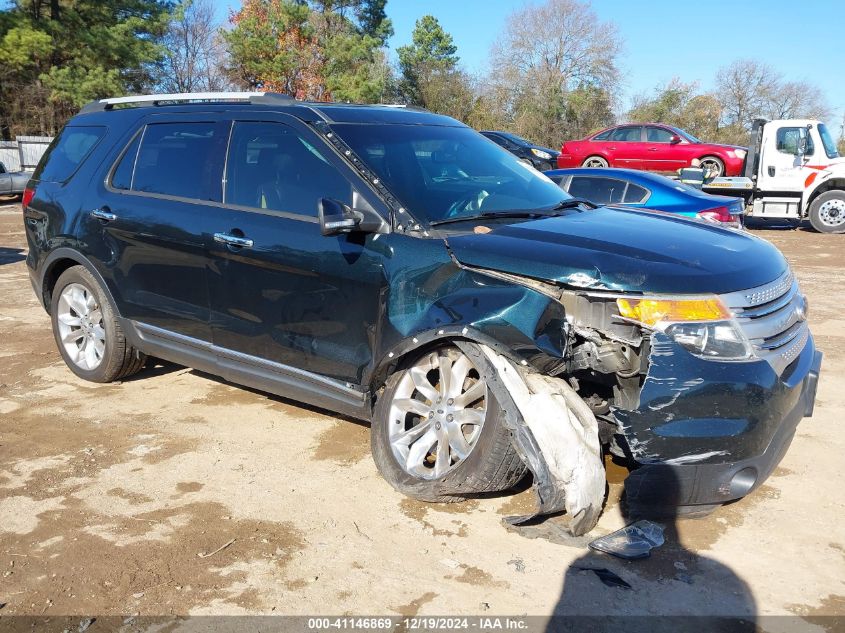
[
  {"x": 827, "y": 212},
  {"x": 416, "y": 397},
  {"x": 596, "y": 162},
  {"x": 87, "y": 330},
  {"x": 714, "y": 164}
]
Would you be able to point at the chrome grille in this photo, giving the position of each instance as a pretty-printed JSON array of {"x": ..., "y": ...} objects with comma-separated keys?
[{"x": 773, "y": 317}]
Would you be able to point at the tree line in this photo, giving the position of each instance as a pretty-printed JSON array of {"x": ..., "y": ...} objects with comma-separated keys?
[{"x": 555, "y": 70}]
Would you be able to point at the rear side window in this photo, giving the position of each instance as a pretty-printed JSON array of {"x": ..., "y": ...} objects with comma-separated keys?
[
  {"x": 603, "y": 136},
  {"x": 597, "y": 190},
  {"x": 67, "y": 151},
  {"x": 635, "y": 194},
  {"x": 627, "y": 134},
  {"x": 174, "y": 159}
]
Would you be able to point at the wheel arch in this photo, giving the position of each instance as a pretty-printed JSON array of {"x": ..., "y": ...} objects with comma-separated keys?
[
  {"x": 57, "y": 262},
  {"x": 420, "y": 343},
  {"x": 827, "y": 185}
]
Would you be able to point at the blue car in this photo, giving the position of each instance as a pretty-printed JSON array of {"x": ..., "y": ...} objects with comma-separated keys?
[{"x": 642, "y": 189}]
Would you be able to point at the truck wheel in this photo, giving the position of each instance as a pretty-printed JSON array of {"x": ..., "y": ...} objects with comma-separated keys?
[
  {"x": 714, "y": 165},
  {"x": 87, "y": 331},
  {"x": 827, "y": 212},
  {"x": 595, "y": 161},
  {"x": 438, "y": 433}
]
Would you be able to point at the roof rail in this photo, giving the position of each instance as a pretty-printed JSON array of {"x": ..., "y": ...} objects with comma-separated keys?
[{"x": 263, "y": 98}]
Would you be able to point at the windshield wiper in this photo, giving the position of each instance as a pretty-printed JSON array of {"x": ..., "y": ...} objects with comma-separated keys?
[
  {"x": 543, "y": 212},
  {"x": 490, "y": 214},
  {"x": 573, "y": 202}
]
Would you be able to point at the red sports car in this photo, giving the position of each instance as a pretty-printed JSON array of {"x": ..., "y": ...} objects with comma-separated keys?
[{"x": 652, "y": 147}]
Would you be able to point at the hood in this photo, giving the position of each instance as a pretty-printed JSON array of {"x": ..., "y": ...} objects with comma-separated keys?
[
  {"x": 630, "y": 250},
  {"x": 553, "y": 152},
  {"x": 724, "y": 146}
]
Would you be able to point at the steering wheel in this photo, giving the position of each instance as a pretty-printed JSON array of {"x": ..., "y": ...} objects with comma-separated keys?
[{"x": 472, "y": 202}]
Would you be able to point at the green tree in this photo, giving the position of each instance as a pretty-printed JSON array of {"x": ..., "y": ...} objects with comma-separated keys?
[
  {"x": 321, "y": 50},
  {"x": 431, "y": 52},
  {"x": 55, "y": 56},
  {"x": 682, "y": 105}
]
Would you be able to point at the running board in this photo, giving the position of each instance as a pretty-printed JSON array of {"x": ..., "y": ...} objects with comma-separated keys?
[{"x": 251, "y": 371}]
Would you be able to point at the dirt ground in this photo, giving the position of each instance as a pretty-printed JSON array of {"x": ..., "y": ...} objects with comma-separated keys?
[{"x": 116, "y": 499}]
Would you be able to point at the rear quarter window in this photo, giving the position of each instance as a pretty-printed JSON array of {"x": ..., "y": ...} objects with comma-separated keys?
[{"x": 67, "y": 152}]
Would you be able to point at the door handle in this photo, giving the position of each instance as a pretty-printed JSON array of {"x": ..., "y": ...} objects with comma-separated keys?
[
  {"x": 611, "y": 147},
  {"x": 652, "y": 149},
  {"x": 103, "y": 214},
  {"x": 771, "y": 171},
  {"x": 233, "y": 240}
]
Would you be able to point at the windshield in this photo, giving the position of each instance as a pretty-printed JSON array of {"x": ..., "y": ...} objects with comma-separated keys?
[
  {"x": 827, "y": 141},
  {"x": 441, "y": 173},
  {"x": 686, "y": 135},
  {"x": 516, "y": 138}
]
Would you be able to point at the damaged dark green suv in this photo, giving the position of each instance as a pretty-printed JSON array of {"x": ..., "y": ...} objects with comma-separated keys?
[{"x": 394, "y": 265}]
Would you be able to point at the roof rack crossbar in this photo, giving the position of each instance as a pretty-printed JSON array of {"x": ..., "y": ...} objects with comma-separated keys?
[{"x": 266, "y": 98}]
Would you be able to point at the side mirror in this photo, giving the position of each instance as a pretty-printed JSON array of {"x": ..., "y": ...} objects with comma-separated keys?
[
  {"x": 801, "y": 145},
  {"x": 675, "y": 139},
  {"x": 337, "y": 218}
]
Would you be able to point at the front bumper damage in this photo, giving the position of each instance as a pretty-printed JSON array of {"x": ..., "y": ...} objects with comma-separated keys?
[{"x": 713, "y": 438}]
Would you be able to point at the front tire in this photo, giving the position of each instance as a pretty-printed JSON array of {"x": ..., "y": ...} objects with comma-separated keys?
[
  {"x": 438, "y": 433},
  {"x": 596, "y": 162},
  {"x": 827, "y": 212},
  {"x": 87, "y": 331}
]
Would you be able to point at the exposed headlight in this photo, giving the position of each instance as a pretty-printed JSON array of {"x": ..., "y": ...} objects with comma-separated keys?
[
  {"x": 739, "y": 153},
  {"x": 541, "y": 154},
  {"x": 702, "y": 325}
]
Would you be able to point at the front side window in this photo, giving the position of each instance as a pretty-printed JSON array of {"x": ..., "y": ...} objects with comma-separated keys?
[
  {"x": 627, "y": 134},
  {"x": 658, "y": 135},
  {"x": 598, "y": 190},
  {"x": 271, "y": 167},
  {"x": 441, "y": 172},
  {"x": 67, "y": 152},
  {"x": 786, "y": 140}
]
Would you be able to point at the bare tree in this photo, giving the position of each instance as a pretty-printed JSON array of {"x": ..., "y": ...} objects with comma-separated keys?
[
  {"x": 195, "y": 58},
  {"x": 548, "y": 52},
  {"x": 748, "y": 89}
]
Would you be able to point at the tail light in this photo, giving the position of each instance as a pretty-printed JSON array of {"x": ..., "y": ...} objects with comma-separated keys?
[
  {"x": 26, "y": 198},
  {"x": 720, "y": 215}
]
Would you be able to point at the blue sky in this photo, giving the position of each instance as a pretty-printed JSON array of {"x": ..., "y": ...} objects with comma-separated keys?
[{"x": 685, "y": 38}]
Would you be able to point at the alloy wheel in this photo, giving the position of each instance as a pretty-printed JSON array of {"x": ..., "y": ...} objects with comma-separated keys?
[
  {"x": 80, "y": 324},
  {"x": 437, "y": 414}
]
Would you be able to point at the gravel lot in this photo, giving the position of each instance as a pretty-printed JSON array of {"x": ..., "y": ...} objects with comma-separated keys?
[{"x": 110, "y": 493}]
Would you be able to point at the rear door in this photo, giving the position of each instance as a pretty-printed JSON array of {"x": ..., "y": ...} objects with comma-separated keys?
[
  {"x": 287, "y": 295},
  {"x": 626, "y": 147},
  {"x": 146, "y": 221}
]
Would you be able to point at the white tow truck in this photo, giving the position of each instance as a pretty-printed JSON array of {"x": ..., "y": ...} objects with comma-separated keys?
[{"x": 792, "y": 171}]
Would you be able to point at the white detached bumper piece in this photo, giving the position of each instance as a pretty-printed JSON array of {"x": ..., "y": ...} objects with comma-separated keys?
[{"x": 557, "y": 435}]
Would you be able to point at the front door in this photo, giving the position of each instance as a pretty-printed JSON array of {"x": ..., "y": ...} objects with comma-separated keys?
[
  {"x": 281, "y": 291},
  {"x": 781, "y": 168},
  {"x": 661, "y": 153}
]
